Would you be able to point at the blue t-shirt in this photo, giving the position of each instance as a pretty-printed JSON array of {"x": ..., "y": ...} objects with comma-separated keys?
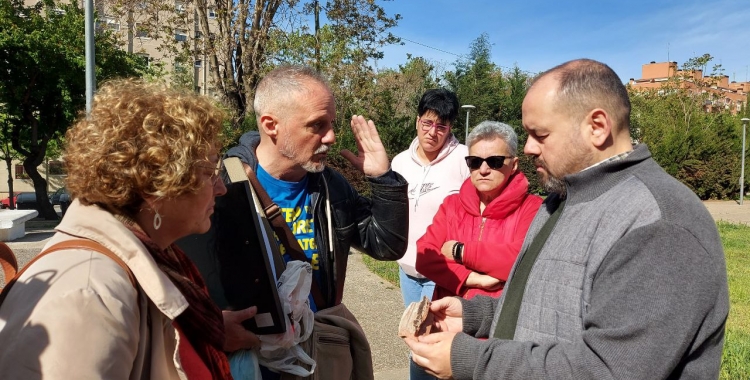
[{"x": 296, "y": 209}]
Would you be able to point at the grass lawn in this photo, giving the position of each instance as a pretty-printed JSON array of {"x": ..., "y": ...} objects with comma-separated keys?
[
  {"x": 736, "y": 240},
  {"x": 736, "y": 361}
]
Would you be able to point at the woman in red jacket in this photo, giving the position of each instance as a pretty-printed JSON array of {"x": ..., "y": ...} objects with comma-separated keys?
[{"x": 477, "y": 234}]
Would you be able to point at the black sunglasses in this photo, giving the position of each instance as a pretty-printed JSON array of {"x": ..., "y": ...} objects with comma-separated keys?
[{"x": 494, "y": 162}]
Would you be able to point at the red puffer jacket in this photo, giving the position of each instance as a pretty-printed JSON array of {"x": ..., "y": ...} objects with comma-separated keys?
[{"x": 492, "y": 241}]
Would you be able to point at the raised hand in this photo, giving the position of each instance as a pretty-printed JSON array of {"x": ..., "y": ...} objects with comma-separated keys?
[{"x": 372, "y": 159}]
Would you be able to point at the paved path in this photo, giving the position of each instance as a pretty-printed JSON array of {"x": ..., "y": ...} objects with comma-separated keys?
[
  {"x": 729, "y": 211},
  {"x": 376, "y": 303},
  {"x": 378, "y": 306}
]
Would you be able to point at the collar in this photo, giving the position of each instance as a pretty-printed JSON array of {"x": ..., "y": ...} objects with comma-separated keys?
[
  {"x": 594, "y": 181},
  {"x": 94, "y": 223},
  {"x": 618, "y": 157}
]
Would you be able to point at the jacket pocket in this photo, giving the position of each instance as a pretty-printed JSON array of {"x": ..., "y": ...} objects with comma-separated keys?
[
  {"x": 345, "y": 234},
  {"x": 332, "y": 352}
]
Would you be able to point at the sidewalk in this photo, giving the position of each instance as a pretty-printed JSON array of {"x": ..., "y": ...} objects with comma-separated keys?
[
  {"x": 729, "y": 211},
  {"x": 378, "y": 306}
]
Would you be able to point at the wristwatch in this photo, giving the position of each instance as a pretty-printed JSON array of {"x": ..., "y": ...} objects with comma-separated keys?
[{"x": 458, "y": 252}]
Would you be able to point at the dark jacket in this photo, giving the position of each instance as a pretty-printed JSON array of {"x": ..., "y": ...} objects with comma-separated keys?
[{"x": 377, "y": 226}]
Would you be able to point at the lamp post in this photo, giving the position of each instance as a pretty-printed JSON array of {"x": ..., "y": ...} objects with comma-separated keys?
[
  {"x": 89, "y": 54},
  {"x": 468, "y": 109},
  {"x": 742, "y": 171}
]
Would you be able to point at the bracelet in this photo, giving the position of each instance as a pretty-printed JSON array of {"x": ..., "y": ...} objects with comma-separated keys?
[{"x": 458, "y": 252}]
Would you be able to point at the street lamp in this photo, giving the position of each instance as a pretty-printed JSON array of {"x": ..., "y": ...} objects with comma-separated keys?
[
  {"x": 742, "y": 172},
  {"x": 468, "y": 109}
]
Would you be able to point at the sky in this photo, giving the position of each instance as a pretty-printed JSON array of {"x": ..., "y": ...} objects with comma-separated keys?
[{"x": 538, "y": 35}]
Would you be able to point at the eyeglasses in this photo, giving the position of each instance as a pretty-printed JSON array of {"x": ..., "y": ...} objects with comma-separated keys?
[
  {"x": 216, "y": 170},
  {"x": 494, "y": 162},
  {"x": 428, "y": 124}
]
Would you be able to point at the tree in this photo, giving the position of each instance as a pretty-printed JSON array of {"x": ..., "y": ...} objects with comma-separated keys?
[
  {"x": 7, "y": 153},
  {"x": 243, "y": 39},
  {"x": 477, "y": 81},
  {"x": 693, "y": 140},
  {"x": 497, "y": 95},
  {"x": 42, "y": 51},
  {"x": 394, "y": 99}
]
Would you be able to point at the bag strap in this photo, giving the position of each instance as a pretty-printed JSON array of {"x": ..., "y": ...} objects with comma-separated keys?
[
  {"x": 10, "y": 265},
  {"x": 273, "y": 214},
  {"x": 8, "y": 262}
]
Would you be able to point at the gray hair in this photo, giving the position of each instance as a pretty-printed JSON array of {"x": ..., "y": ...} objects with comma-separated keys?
[
  {"x": 490, "y": 130},
  {"x": 276, "y": 87}
]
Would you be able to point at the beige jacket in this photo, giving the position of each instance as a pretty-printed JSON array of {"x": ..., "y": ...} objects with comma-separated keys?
[{"x": 75, "y": 314}]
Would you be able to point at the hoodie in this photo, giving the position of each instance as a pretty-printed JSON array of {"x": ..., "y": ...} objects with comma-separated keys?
[{"x": 429, "y": 185}]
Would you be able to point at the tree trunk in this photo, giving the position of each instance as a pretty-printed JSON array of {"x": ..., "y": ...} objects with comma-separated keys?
[
  {"x": 46, "y": 210},
  {"x": 11, "y": 200}
]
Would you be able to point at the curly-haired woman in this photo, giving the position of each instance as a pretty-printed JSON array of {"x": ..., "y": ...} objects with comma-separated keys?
[{"x": 143, "y": 170}]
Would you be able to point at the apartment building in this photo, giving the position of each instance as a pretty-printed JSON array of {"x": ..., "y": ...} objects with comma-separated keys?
[
  {"x": 726, "y": 95},
  {"x": 156, "y": 30},
  {"x": 166, "y": 32}
]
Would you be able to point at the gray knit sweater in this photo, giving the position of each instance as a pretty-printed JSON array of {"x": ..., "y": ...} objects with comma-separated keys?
[{"x": 631, "y": 284}]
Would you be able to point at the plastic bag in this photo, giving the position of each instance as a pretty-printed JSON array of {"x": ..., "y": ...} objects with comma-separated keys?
[
  {"x": 244, "y": 365},
  {"x": 280, "y": 352}
]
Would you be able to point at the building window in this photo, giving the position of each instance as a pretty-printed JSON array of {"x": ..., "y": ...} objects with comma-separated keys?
[
  {"x": 141, "y": 31},
  {"x": 211, "y": 13},
  {"x": 179, "y": 68},
  {"x": 55, "y": 168},
  {"x": 180, "y": 35},
  {"x": 110, "y": 23},
  {"x": 20, "y": 173},
  {"x": 146, "y": 59},
  {"x": 198, "y": 63}
]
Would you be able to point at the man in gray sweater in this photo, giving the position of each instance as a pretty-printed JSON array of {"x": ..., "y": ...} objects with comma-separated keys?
[{"x": 622, "y": 273}]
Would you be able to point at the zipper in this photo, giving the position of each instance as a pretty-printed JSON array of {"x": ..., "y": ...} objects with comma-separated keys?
[{"x": 481, "y": 228}]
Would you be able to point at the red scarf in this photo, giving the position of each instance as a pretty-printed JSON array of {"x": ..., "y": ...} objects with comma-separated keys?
[{"x": 202, "y": 322}]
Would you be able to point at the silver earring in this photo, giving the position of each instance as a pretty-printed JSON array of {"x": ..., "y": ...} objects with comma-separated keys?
[{"x": 157, "y": 220}]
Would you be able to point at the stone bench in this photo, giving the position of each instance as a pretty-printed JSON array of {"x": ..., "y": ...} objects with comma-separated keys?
[{"x": 13, "y": 223}]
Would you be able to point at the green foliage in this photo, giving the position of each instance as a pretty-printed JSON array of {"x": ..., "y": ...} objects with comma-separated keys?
[
  {"x": 479, "y": 82},
  {"x": 42, "y": 51},
  {"x": 391, "y": 102},
  {"x": 700, "y": 148},
  {"x": 497, "y": 95},
  {"x": 183, "y": 75},
  {"x": 735, "y": 239}
]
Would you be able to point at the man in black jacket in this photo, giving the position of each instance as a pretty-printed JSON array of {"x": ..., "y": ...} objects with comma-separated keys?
[{"x": 295, "y": 112}]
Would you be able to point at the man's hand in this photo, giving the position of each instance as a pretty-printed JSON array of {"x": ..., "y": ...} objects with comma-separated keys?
[
  {"x": 447, "y": 249},
  {"x": 372, "y": 159},
  {"x": 433, "y": 353},
  {"x": 483, "y": 281},
  {"x": 237, "y": 336},
  {"x": 447, "y": 315}
]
